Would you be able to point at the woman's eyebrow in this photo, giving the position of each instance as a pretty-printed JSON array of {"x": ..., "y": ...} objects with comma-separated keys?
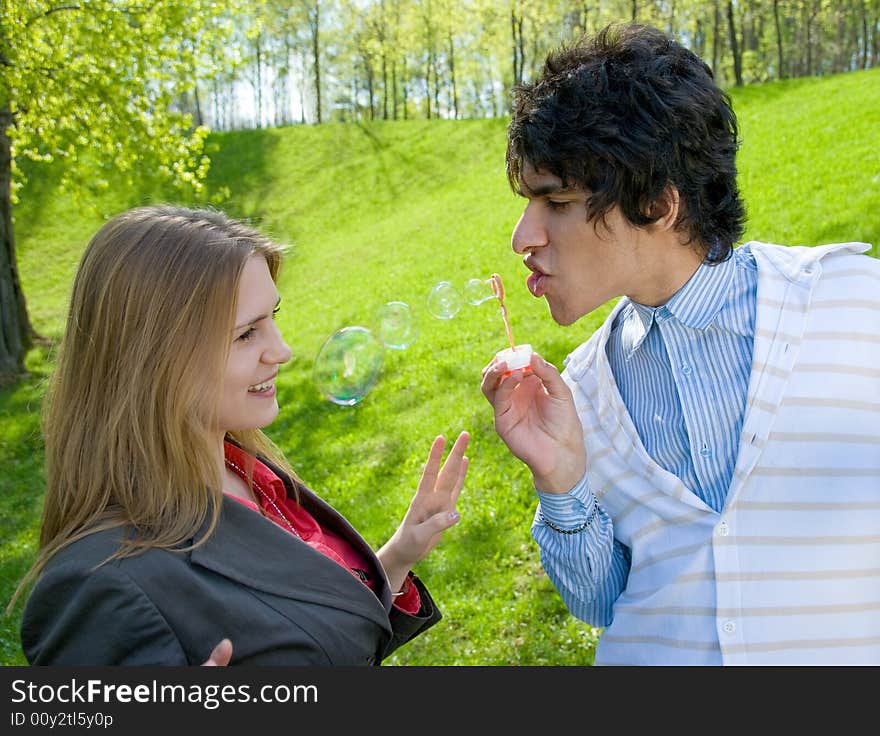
[{"x": 256, "y": 319}]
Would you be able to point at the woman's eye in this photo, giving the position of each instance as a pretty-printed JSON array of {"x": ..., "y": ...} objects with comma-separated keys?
[
  {"x": 245, "y": 336},
  {"x": 275, "y": 312}
]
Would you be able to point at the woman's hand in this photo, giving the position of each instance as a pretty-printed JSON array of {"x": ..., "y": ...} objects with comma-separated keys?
[
  {"x": 536, "y": 418},
  {"x": 431, "y": 511},
  {"x": 220, "y": 655}
]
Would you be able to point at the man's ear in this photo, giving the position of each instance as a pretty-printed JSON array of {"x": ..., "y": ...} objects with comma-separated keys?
[{"x": 665, "y": 208}]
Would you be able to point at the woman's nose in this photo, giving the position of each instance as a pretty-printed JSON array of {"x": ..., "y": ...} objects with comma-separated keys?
[{"x": 279, "y": 351}]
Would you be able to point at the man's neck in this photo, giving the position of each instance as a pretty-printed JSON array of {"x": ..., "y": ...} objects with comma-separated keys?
[{"x": 664, "y": 270}]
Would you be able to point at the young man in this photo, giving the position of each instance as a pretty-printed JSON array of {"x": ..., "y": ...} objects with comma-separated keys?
[{"x": 708, "y": 464}]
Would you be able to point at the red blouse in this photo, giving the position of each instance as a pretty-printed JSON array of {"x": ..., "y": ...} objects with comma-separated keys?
[{"x": 293, "y": 518}]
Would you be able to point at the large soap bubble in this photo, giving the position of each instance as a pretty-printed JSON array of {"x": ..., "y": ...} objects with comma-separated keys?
[
  {"x": 395, "y": 325},
  {"x": 348, "y": 364},
  {"x": 477, "y": 291},
  {"x": 444, "y": 300}
]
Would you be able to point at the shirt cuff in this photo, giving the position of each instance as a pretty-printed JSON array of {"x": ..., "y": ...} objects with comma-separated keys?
[
  {"x": 567, "y": 510},
  {"x": 409, "y": 601}
]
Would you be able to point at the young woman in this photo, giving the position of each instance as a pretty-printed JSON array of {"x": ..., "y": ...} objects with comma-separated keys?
[{"x": 171, "y": 522}]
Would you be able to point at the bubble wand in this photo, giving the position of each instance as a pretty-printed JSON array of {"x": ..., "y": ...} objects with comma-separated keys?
[
  {"x": 516, "y": 356},
  {"x": 498, "y": 291}
]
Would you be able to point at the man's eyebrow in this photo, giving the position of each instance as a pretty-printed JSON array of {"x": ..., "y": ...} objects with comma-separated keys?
[
  {"x": 544, "y": 189},
  {"x": 256, "y": 319}
]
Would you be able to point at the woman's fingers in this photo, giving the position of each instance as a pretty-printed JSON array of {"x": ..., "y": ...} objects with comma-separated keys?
[
  {"x": 432, "y": 465},
  {"x": 451, "y": 472}
]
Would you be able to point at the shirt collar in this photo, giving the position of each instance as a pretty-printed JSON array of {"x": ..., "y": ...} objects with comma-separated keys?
[
  {"x": 263, "y": 477},
  {"x": 696, "y": 304}
]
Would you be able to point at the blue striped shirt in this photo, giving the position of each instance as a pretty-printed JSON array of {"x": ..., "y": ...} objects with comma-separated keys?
[{"x": 682, "y": 370}]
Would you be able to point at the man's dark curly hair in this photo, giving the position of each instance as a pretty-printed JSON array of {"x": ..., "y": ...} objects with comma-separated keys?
[{"x": 625, "y": 113}]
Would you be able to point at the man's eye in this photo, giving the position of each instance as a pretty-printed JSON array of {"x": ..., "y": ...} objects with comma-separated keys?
[
  {"x": 554, "y": 205},
  {"x": 245, "y": 336}
]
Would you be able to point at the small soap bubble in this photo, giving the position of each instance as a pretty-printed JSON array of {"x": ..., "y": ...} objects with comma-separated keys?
[
  {"x": 348, "y": 364},
  {"x": 444, "y": 300},
  {"x": 477, "y": 291},
  {"x": 395, "y": 325}
]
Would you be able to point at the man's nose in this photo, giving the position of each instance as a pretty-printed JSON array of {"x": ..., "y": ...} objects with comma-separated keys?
[{"x": 529, "y": 231}]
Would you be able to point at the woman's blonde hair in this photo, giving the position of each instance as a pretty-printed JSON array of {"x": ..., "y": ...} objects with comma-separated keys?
[{"x": 130, "y": 418}]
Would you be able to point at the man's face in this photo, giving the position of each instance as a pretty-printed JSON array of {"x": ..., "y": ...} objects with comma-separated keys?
[{"x": 576, "y": 265}]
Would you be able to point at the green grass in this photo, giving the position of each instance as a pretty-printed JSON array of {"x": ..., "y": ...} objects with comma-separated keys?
[{"x": 383, "y": 212}]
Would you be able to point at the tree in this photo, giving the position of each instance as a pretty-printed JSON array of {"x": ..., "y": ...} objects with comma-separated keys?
[{"x": 91, "y": 84}]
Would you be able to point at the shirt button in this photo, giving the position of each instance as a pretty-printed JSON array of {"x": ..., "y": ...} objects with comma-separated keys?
[
  {"x": 686, "y": 369},
  {"x": 705, "y": 451},
  {"x": 729, "y": 627},
  {"x": 723, "y": 529}
]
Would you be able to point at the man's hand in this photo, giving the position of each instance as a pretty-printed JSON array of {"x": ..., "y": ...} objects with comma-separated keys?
[{"x": 536, "y": 418}]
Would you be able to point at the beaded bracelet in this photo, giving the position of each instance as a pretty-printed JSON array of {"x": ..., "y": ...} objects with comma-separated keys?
[{"x": 577, "y": 529}]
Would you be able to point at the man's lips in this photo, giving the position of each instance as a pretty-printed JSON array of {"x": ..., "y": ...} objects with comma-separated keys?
[{"x": 536, "y": 283}]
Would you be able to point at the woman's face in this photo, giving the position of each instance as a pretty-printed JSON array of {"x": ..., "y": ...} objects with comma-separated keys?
[{"x": 257, "y": 349}]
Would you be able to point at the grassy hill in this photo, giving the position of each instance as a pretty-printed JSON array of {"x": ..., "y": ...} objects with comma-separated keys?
[{"x": 382, "y": 212}]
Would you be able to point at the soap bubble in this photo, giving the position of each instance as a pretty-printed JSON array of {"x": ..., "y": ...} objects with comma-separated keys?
[
  {"x": 395, "y": 325},
  {"x": 444, "y": 301},
  {"x": 348, "y": 365},
  {"x": 477, "y": 291}
]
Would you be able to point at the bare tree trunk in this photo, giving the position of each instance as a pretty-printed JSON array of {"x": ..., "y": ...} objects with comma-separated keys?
[
  {"x": 394, "y": 88},
  {"x": 734, "y": 46},
  {"x": 518, "y": 42},
  {"x": 428, "y": 89},
  {"x": 315, "y": 25},
  {"x": 635, "y": 10},
  {"x": 452, "y": 78},
  {"x": 716, "y": 31},
  {"x": 384, "y": 84},
  {"x": 780, "y": 71},
  {"x": 405, "y": 92},
  {"x": 16, "y": 333},
  {"x": 258, "y": 86}
]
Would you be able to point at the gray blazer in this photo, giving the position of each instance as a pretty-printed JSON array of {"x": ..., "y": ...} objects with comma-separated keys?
[{"x": 278, "y": 600}]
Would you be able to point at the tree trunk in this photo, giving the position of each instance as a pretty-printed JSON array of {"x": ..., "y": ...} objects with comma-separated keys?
[
  {"x": 734, "y": 46},
  {"x": 16, "y": 333},
  {"x": 315, "y": 23},
  {"x": 716, "y": 31},
  {"x": 384, "y": 83},
  {"x": 452, "y": 78},
  {"x": 519, "y": 57},
  {"x": 780, "y": 72},
  {"x": 394, "y": 87},
  {"x": 258, "y": 86}
]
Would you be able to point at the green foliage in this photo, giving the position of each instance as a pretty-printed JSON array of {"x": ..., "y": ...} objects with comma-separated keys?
[
  {"x": 383, "y": 212},
  {"x": 93, "y": 85}
]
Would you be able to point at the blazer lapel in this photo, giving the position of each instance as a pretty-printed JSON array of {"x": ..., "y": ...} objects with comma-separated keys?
[{"x": 257, "y": 553}]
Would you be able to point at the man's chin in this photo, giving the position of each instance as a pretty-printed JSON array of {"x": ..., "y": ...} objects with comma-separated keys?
[{"x": 562, "y": 317}]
